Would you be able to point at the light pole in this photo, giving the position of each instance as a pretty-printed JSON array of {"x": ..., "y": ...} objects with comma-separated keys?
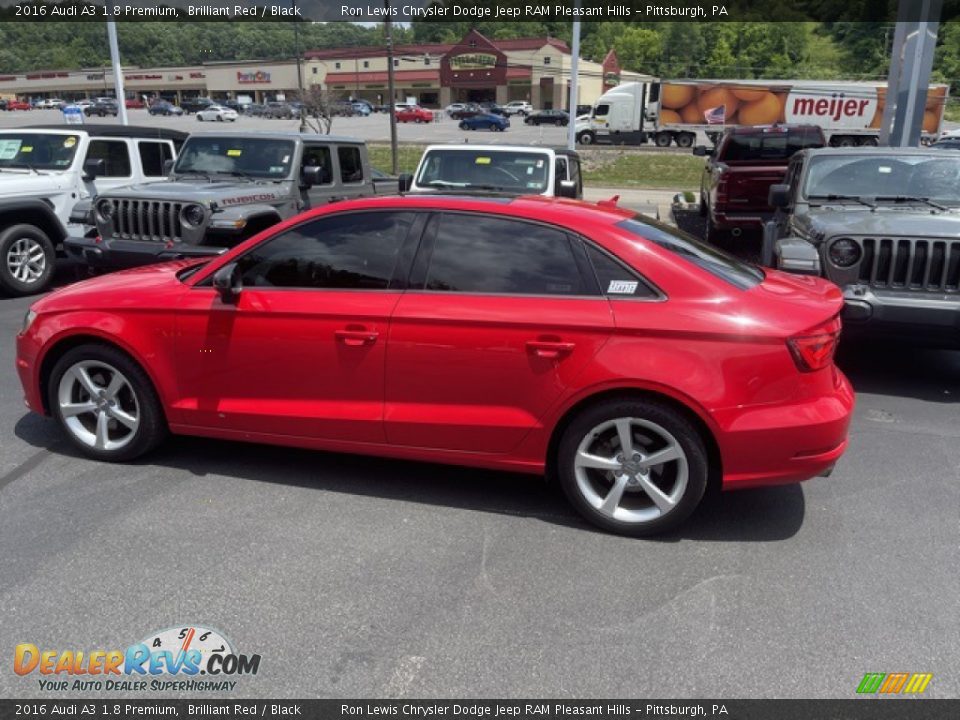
[
  {"x": 574, "y": 80},
  {"x": 296, "y": 49},
  {"x": 117, "y": 72},
  {"x": 388, "y": 26}
]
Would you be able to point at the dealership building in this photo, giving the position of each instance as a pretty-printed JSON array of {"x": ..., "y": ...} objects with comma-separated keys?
[{"x": 477, "y": 69}]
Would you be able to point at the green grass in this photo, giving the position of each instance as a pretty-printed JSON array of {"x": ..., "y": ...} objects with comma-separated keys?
[
  {"x": 952, "y": 112},
  {"x": 602, "y": 168}
]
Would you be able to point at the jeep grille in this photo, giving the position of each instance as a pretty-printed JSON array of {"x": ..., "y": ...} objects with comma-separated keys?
[
  {"x": 147, "y": 220},
  {"x": 911, "y": 264}
]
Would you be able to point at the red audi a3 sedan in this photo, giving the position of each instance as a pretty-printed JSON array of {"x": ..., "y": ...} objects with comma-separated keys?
[{"x": 623, "y": 357}]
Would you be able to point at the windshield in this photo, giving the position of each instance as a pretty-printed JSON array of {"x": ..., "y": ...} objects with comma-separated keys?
[
  {"x": 932, "y": 177},
  {"x": 714, "y": 261},
  {"x": 514, "y": 171},
  {"x": 772, "y": 144},
  {"x": 37, "y": 151},
  {"x": 241, "y": 156}
]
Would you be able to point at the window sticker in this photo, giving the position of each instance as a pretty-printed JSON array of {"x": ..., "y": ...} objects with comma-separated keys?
[
  {"x": 286, "y": 159},
  {"x": 26, "y": 148},
  {"x": 69, "y": 142},
  {"x": 276, "y": 168},
  {"x": 622, "y": 287},
  {"x": 539, "y": 163},
  {"x": 9, "y": 149},
  {"x": 234, "y": 153},
  {"x": 533, "y": 185},
  {"x": 885, "y": 169},
  {"x": 482, "y": 161}
]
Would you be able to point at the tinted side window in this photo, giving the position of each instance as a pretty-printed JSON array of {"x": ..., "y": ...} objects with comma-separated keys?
[
  {"x": 351, "y": 166},
  {"x": 616, "y": 279},
  {"x": 353, "y": 251},
  {"x": 114, "y": 154},
  {"x": 476, "y": 254},
  {"x": 152, "y": 157}
]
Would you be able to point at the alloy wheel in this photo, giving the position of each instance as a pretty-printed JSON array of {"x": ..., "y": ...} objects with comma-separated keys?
[
  {"x": 26, "y": 260},
  {"x": 631, "y": 470},
  {"x": 98, "y": 405}
]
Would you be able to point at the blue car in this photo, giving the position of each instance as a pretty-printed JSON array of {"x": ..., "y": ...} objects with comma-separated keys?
[{"x": 487, "y": 121}]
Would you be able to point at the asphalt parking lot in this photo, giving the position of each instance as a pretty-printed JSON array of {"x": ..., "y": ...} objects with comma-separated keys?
[{"x": 356, "y": 577}]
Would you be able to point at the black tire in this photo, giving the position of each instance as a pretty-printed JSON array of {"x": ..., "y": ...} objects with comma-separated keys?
[
  {"x": 685, "y": 140},
  {"x": 463, "y": 125},
  {"x": 8, "y": 282},
  {"x": 662, "y": 139},
  {"x": 152, "y": 428},
  {"x": 586, "y": 138},
  {"x": 657, "y": 414}
]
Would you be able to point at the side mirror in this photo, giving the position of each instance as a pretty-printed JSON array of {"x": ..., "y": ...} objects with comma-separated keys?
[
  {"x": 567, "y": 189},
  {"x": 310, "y": 176},
  {"x": 93, "y": 168},
  {"x": 701, "y": 151},
  {"x": 167, "y": 166},
  {"x": 404, "y": 182},
  {"x": 226, "y": 281},
  {"x": 779, "y": 196}
]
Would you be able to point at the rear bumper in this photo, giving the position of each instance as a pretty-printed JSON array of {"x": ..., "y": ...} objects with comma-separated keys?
[
  {"x": 933, "y": 319},
  {"x": 116, "y": 254},
  {"x": 780, "y": 444},
  {"x": 746, "y": 220}
]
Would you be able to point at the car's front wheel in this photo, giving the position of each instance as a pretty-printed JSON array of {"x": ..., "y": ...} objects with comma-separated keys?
[
  {"x": 28, "y": 259},
  {"x": 634, "y": 467},
  {"x": 105, "y": 403}
]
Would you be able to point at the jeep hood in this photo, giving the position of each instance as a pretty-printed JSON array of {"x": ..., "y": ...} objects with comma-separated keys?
[
  {"x": 886, "y": 222},
  {"x": 23, "y": 185},
  {"x": 223, "y": 192}
]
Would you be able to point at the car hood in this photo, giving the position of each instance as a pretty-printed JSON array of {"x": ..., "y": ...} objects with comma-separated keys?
[
  {"x": 886, "y": 222},
  {"x": 225, "y": 192},
  {"x": 20, "y": 184},
  {"x": 150, "y": 286}
]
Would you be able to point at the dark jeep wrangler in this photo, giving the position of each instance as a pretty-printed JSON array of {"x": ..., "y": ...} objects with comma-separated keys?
[
  {"x": 223, "y": 189},
  {"x": 884, "y": 225}
]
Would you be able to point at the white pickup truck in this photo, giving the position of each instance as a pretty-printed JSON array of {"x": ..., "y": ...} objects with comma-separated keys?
[
  {"x": 47, "y": 172},
  {"x": 507, "y": 169}
]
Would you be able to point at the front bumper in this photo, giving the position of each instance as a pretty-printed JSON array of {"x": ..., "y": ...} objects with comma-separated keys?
[
  {"x": 927, "y": 317},
  {"x": 116, "y": 254}
]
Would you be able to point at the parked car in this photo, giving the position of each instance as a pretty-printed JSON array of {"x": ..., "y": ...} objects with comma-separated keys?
[
  {"x": 739, "y": 171},
  {"x": 950, "y": 143},
  {"x": 493, "y": 108},
  {"x": 224, "y": 188},
  {"x": 50, "y": 103},
  {"x": 415, "y": 114},
  {"x": 256, "y": 110},
  {"x": 485, "y": 121},
  {"x": 102, "y": 107},
  {"x": 556, "y": 361},
  {"x": 361, "y": 108},
  {"x": 468, "y": 110},
  {"x": 884, "y": 225},
  {"x": 193, "y": 105},
  {"x": 954, "y": 133},
  {"x": 453, "y": 107},
  {"x": 548, "y": 117},
  {"x": 133, "y": 104},
  {"x": 45, "y": 173},
  {"x": 518, "y": 107},
  {"x": 504, "y": 169},
  {"x": 342, "y": 109},
  {"x": 18, "y": 105},
  {"x": 218, "y": 113},
  {"x": 163, "y": 107}
]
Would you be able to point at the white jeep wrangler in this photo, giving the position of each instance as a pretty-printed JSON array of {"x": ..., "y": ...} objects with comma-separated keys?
[{"x": 46, "y": 171}]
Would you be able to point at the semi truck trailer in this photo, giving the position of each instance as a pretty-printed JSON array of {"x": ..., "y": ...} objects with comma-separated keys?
[{"x": 672, "y": 112}]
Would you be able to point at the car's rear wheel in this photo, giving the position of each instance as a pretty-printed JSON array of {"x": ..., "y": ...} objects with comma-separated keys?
[
  {"x": 200, "y": 117},
  {"x": 634, "y": 467},
  {"x": 105, "y": 403},
  {"x": 28, "y": 259},
  {"x": 463, "y": 126}
]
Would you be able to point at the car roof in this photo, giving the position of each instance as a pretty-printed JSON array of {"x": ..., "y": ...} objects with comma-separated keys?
[
  {"x": 95, "y": 130},
  {"x": 312, "y": 137},
  {"x": 869, "y": 151},
  {"x": 454, "y": 145}
]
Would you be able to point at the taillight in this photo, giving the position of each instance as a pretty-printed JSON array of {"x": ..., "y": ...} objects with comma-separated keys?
[{"x": 814, "y": 348}]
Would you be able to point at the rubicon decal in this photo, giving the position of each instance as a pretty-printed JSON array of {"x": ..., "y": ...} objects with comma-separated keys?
[
  {"x": 894, "y": 683},
  {"x": 184, "y": 652}
]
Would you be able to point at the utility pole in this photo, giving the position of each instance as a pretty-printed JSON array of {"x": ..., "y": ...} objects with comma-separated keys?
[
  {"x": 388, "y": 26},
  {"x": 117, "y": 72},
  {"x": 296, "y": 49},
  {"x": 574, "y": 81}
]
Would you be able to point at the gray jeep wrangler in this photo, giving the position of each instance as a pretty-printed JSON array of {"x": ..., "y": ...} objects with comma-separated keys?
[
  {"x": 223, "y": 189},
  {"x": 884, "y": 225}
]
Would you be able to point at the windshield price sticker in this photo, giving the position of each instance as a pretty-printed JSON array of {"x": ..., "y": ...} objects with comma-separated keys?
[
  {"x": 482, "y": 161},
  {"x": 9, "y": 149},
  {"x": 234, "y": 153}
]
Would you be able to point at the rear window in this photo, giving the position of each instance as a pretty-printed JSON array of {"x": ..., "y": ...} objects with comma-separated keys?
[
  {"x": 773, "y": 144},
  {"x": 714, "y": 261},
  {"x": 514, "y": 171}
]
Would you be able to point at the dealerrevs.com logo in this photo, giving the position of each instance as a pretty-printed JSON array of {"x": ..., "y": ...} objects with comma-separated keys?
[{"x": 191, "y": 659}]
